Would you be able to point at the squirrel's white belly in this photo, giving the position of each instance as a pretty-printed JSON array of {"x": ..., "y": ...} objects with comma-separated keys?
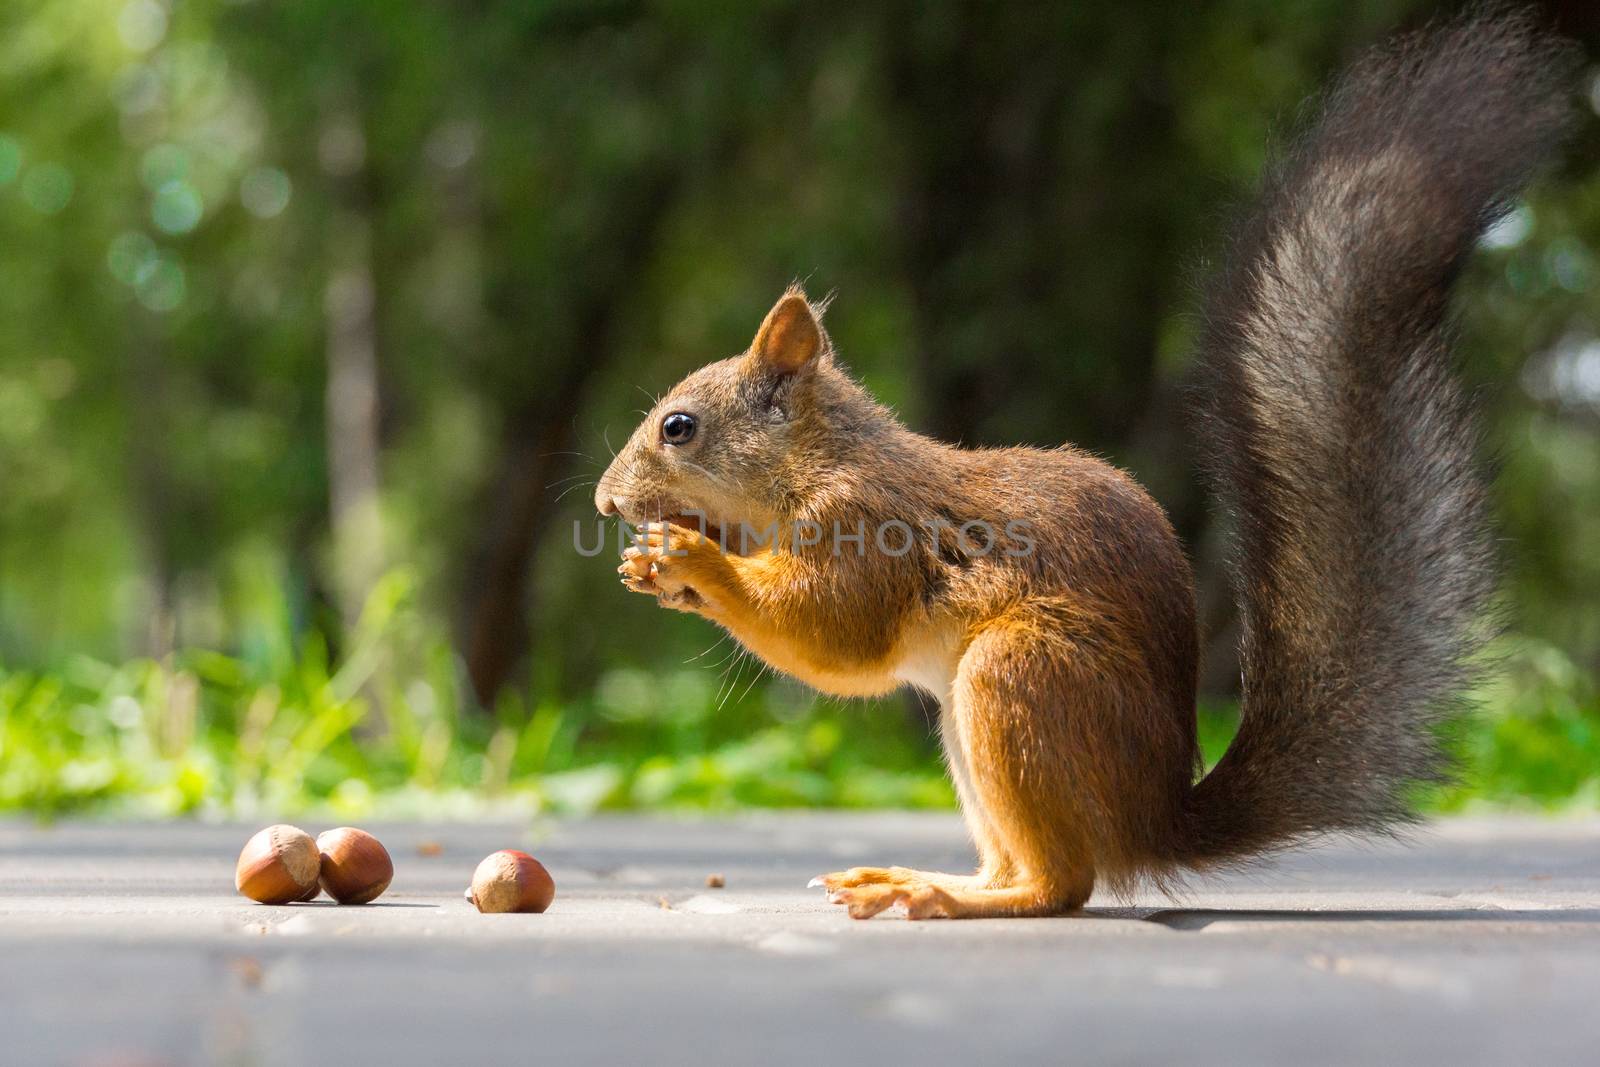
[{"x": 928, "y": 660}]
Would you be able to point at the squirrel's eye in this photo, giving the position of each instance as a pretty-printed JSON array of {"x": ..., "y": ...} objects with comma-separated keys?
[{"x": 677, "y": 428}]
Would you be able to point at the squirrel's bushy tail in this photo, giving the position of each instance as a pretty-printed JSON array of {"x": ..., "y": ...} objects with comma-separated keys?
[{"x": 1339, "y": 443}]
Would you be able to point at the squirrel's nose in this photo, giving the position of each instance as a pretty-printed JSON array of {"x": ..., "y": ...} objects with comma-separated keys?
[{"x": 606, "y": 504}]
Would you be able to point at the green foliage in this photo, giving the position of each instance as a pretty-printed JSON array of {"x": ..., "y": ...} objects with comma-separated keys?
[
  {"x": 1535, "y": 739},
  {"x": 1529, "y": 738},
  {"x": 387, "y": 728}
]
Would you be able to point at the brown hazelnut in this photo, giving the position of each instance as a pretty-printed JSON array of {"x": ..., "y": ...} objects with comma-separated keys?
[
  {"x": 278, "y": 865},
  {"x": 511, "y": 881},
  {"x": 355, "y": 867}
]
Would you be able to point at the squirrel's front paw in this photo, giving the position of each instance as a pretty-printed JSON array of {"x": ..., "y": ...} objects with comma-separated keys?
[
  {"x": 673, "y": 564},
  {"x": 638, "y": 572},
  {"x": 640, "y": 575}
]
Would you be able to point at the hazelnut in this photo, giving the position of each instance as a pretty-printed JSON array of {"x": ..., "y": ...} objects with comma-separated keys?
[
  {"x": 716, "y": 881},
  {"x": 278, "y": 865},
  {"x": 355, "y": 867},
  {"x": 511, "y": 881}
]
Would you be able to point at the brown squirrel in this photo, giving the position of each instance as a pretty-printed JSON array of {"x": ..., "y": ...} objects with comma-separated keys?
[{"x": 1062, "y": 650}]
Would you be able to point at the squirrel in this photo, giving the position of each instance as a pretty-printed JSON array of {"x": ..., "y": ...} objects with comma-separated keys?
[{"x": 1063, "y": 649}]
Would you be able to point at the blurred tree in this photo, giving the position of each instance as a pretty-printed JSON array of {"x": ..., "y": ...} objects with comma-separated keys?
[{"x": 570, "y": 233}]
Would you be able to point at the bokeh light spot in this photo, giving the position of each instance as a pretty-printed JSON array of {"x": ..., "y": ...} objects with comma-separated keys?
[
  {"x": 177, "y": 208},
  {"x": 132, "y": 255},
  {"x": 1570, "y": 265},
  {"x": 142, "y": 24},
  {"x": 265, "y": 192},
  {"x": 453, "y": 144},
  {"x": 47, "y": 188},
  {"x": 1510, "y": 231},
  {"x": 164, "y": 285}
]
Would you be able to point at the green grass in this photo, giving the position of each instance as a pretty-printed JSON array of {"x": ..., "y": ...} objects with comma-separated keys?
[{"x": 386, "y": 729}]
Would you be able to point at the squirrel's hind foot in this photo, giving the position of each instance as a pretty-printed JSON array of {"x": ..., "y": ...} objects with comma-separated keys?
[
  {"x": 904, "y": 876},
  {"x": 868, "y": 891},
  {"x": 929, "y": 901}
]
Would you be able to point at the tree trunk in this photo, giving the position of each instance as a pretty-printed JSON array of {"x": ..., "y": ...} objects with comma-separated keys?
[
  {"x": 352, "y": 406},
  {"x": 153, "y": 491},
  {"x": 538, "y": 437}
]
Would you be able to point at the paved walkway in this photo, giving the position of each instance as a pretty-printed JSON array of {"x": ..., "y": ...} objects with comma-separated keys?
[{"x": 125, "y": 945}]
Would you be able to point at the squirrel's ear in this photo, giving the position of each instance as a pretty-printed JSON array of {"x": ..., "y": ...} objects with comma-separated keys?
[{"x": 790, "y": 337}]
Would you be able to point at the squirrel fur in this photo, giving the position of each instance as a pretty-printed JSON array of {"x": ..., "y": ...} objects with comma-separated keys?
[{"x": 1336, "y": 439}]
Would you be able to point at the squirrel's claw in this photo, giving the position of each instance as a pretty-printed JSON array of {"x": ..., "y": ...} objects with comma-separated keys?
[
  {"x": 636, "y": 584},
  {"x": 638, "y": 573},
  {"x": 642, "y": 579},
  {"x": 866, "y": 901},
  {"x": 866, "y": 891}
]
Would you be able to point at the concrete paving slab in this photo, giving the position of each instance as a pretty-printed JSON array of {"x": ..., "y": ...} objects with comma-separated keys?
[{"x": 125, "y": 944}]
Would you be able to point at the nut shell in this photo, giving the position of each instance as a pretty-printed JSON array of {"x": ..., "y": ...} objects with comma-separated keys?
[
  {"x": 278, "y": 865},
  {"x": 511, "y": 881},
  {"x": 355, "y": 867}
]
